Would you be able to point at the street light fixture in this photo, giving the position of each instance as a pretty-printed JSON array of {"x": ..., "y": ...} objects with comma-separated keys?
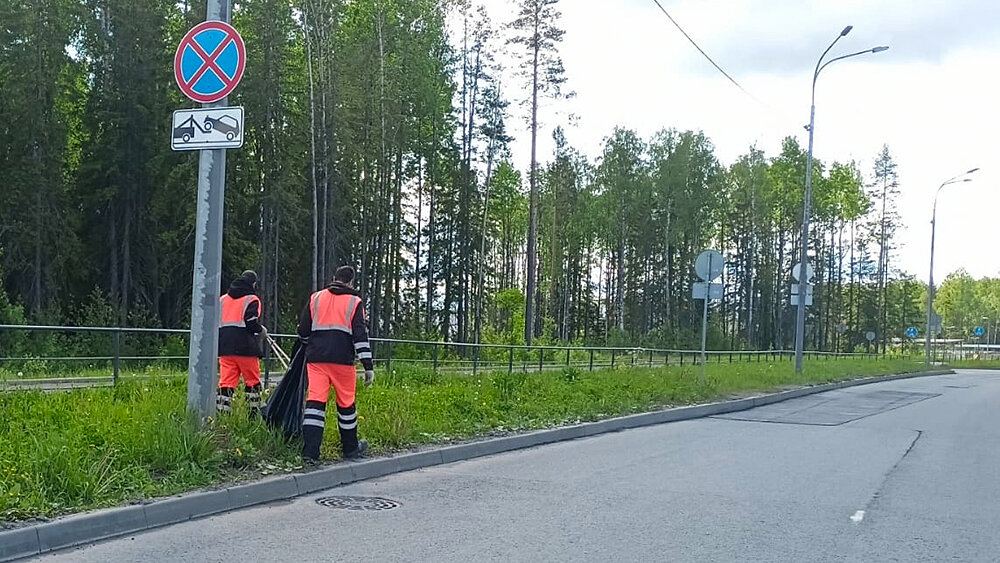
[
  {"x": 960, "y": 179},
  {"x": 800, "y": 318}
]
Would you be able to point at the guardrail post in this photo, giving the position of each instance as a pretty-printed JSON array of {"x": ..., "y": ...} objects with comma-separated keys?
[
  {"x": 388, "y": 357},
  {"x": 730, "y": 357},
  {"x": 435, "y": 354},
  {"x": 613, "y": 358},
  {"x": 567, "y": 356},
  {"x": 650, "y": 358},
  {"x": 116, "y": 363},
  {"x": 682, "y": 358},
  {"x": 541, "y": 358},
  {"x": 475, "y": 361},
  {"x": 510, "y": 361},
  {"x": 591, "y": 359}
]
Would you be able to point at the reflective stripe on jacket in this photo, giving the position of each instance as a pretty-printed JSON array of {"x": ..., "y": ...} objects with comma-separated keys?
[
  {"x": 234, "y": 311},
  {"x": 333, "y": 324},
  {"x": 239, "y": 325}
]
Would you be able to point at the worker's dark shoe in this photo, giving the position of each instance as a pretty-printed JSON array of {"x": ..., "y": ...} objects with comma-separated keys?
[
  {"x": 310, "y": 462},
  {"x": 253, "y": 397},
  {"x": 224, "y": 400},
  {"x": 358, "y": 452}
]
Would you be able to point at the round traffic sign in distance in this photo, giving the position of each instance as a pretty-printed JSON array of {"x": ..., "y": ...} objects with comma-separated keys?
[
  {"x": 709, "y": 265},
  {"x": 210, "y": 61}
]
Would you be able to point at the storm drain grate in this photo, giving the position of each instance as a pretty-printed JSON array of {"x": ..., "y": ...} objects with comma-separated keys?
[{"x": 358, "y": 503}]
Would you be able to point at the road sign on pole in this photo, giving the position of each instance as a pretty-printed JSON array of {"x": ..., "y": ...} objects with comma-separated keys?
[
  {"x": 936, "y": 321},
  {"x": 979, "y": 331},
  {"x": 713, "y": 291},
  {"x": 709, "y": 265},
  {"x": 797, "y": 273},
  {"x": 796, "y": 290},
  {"x": 911, "y": 332},
  {"x": 210, "y": 60},
  {"x": 218, "y": 38},
  {"x": 209, "y": 128},
  {"x": 870, "y": 336}
]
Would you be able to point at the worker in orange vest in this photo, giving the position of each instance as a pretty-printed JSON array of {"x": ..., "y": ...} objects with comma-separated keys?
[
  {"x": 240, "y": 332},
  {"x": 332, "y": 327}
]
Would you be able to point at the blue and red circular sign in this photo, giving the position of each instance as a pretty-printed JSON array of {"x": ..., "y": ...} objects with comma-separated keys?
[{"x": 210, "y": 61}]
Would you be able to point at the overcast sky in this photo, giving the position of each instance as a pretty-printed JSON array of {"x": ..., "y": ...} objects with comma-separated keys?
[{"x": 933, "y": 97}]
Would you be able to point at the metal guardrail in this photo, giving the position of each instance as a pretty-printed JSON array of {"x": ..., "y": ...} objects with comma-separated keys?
[{"x": 440, "y": 357}]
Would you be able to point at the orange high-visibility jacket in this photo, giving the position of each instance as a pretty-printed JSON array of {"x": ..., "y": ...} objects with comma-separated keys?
[
  {"x": 239, "y": 325},
  {"x": 333, "y": 324}
]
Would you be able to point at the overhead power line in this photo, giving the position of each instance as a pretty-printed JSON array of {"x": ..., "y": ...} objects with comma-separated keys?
[
  {"x": 700, "y": 50},
  {"x": 770, "y": 109}
]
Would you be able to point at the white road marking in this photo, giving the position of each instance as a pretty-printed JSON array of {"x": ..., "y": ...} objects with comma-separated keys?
[{"x": 858, "y": 517}]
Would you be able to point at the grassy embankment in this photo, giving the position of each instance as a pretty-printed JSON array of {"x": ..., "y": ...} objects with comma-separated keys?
[{"x": 68, "y": 451}]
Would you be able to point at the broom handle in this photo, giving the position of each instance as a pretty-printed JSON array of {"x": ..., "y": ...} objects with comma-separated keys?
[
  {"x": 278, "y": 352},
  {"x": 278, "y": 349},
  {"x": 281, "y": 352}
]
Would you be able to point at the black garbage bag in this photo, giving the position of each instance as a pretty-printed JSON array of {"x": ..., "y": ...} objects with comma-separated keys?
[{"x": 286, "y": 406}]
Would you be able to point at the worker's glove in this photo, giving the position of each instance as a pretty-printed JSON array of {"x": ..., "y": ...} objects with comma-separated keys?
[{"x": 369, "y": 377}]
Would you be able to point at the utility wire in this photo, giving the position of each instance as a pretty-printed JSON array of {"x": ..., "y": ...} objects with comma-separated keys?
[
  {"x": 716, "y": 65},
  {"x": 700, "y": 50}
]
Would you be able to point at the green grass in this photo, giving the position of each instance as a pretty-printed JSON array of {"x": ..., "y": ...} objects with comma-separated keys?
[
  {"x": 67, "y": 451},
  {"x": 974, "y": 364},
  {"x": 49, "y": 369}
]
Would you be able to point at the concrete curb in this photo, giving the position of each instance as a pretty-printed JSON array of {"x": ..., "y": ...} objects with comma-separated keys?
[{"x": 82, "y": 529}]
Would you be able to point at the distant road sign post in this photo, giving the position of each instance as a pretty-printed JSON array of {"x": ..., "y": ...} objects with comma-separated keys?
[
  {"x": 797, "y": 273},
  {"x": 797, "y": 292},
  {"x": 208, "y": 65},
  {"x": 979, "y": 331},
  {"x": 911, "y": 332},
  {"x": 709, "y": 266}
]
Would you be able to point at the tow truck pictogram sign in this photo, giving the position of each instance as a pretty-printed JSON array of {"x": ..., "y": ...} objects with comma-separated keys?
[{"x": 209, "y": 128}]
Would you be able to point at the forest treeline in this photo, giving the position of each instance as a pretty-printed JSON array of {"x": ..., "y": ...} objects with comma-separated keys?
[{"x": 378, "y": 134}]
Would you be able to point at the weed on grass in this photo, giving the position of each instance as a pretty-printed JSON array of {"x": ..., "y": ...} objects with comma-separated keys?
[{"x": 67, "y": 451}]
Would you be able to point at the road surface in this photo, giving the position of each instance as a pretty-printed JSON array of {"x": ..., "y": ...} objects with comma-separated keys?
[{"x": 901, "y": 471}]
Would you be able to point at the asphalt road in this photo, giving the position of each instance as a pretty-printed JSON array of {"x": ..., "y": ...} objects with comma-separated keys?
[{"x": 902, "y": 471}]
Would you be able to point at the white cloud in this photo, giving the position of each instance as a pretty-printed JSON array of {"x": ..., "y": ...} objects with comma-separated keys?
[{"x": 931, "y": 98}]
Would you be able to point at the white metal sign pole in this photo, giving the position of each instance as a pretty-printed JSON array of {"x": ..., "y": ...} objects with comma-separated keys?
[
  {"x": 205, "y": 309},
  {"x": 704, "y": 316}
]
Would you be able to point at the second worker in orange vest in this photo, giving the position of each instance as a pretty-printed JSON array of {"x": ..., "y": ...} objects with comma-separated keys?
[
  {"x": 332, "y": 327},
  {"x": 239, "y": 346}
]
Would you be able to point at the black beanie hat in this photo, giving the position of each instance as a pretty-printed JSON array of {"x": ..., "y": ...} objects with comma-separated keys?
[{"x": 249, "y": 276}]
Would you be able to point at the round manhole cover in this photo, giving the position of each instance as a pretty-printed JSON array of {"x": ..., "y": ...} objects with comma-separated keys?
[{"x": 358, "y": 503}]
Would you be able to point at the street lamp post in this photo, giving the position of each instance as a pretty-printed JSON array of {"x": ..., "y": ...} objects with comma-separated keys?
[
  {"x": 961, "y": 178},
  {"x": 800, "y": 318}
]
